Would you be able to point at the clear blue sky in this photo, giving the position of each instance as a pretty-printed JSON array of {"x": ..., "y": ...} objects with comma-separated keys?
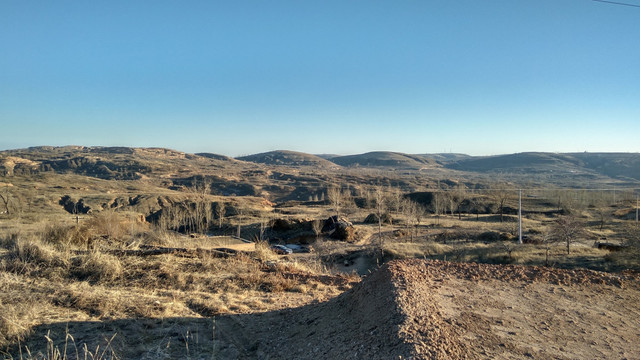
[{"x": 241, "y": 77}]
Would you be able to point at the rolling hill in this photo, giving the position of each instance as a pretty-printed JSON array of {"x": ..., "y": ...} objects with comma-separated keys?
[
  {"x": 288, "y": 158},
  {"x": 386, "y": 159},
  {"x": 622, "y": 166}
]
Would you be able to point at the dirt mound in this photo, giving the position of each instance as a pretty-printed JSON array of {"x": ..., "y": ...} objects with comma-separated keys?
[
  {"x": 439, "y": 310},
  {"x": 376, "y": 319},
  {"x": 373, "y": 219}
]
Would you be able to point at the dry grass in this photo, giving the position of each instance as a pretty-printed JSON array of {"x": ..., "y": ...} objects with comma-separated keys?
[
  {"x": 49, "y": 279},
  {"x": 18, "y": 310},
  {"x": 264, "y": 253},
  {"x": 97, "y": 267},
  {"x": 583, "y": 255}
]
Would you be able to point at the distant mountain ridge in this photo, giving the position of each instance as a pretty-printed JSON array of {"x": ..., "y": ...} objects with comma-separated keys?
[
  {"x": 133, "y": 163},
  {"x": 614, "y": 165}
]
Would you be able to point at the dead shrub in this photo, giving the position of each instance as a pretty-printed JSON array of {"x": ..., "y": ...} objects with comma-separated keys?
[
  {"x": 268, "y": 282},
  {"x": 97, "y": 266},
  {"x": 30, "y": 256},
  {"x": 172, "y": 279},
  {"x": 8, "y": 241},
  {"x": 263, "y": 252},
  {"x": 15, "y": 322},
  {"x": 20, "y": 310},
  {"x": 109, "y": 224},
  {"x": 34, "y": 252},
  {"x": 207, "y": 307},
  {"x": 64, "y": 236}
]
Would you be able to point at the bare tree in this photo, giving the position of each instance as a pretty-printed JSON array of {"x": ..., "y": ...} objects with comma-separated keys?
[
  {"x": 316, "y": 226},
  {"x": 438, "y": 202},
  {"x": 340, "y": 199},
  {"x": 415, "y": 212},
  {"x": 220, "y": 212},
  {"x": 419, "y": 215},
  {"x": 547, "y": 240},
  {"x": 334, "y": 195},
  {"x": 567, "y": 229},
  {"x": 602, "y": 210},
  {"x": 395, "y": 199},
  {"x": 457, "y": 197},
  {"x": 500, "y": 194},
  {"x": 240, "y": 217},
  {"x": 380, "y": 209},
  {"x": 201, "y": 214},
  {"x": 263, "y": 228},
  {"x": 474, "y": 203},
  {"x": 408, "y": 207}
]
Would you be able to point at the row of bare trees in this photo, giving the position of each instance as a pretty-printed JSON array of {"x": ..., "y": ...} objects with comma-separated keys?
[{"x": 196, "y": 213}]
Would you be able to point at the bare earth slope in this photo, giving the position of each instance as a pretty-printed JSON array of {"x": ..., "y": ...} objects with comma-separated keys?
[
  {"x": 430, "y": 309},
  {"x": 289, "y": 158}
]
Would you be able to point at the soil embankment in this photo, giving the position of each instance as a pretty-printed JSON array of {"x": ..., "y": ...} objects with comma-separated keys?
[{"x": 432, "y": 309}]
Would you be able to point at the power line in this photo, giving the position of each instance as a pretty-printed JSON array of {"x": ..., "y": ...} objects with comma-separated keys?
[{"x": 617, "y": 3}]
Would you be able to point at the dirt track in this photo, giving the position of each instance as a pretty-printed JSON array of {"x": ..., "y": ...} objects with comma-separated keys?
[{"x": 431, "y": 309}]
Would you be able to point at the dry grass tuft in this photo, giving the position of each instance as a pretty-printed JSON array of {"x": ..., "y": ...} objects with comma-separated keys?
[
  {"x": 65, "y": 236},
  {"x": 97, "y": 266},
  {"x": 28, "y": 255},
  {"x": 207, "y": 306},
  {"x": 264, "y": 253},
  {"x": 20, "y": 309},
  {"x": 16, "y": 321}
]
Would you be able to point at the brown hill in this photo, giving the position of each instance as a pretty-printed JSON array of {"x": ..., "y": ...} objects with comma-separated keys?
[
  {"x": 386, "y": 159},
  {"x": 288, "y": 158},
  {"x": 110, "y": 163},
  {"x": 615, "y": 165}
]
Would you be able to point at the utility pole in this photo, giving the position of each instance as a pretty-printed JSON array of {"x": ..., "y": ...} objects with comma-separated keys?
[{"x": 519, "y": 216}]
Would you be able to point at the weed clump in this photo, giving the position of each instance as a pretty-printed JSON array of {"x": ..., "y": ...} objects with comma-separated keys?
[{"x": 97, "y": 267}]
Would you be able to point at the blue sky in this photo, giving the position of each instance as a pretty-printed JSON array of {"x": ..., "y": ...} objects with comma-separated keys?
[{"x": 240, "y": 77}]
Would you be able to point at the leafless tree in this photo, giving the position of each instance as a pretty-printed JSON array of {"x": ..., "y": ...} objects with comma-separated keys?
[
  {"x": 334, "y": 195},
  {"x": 547, "y": 240},
  {"x": 263, "y": 228},
  {"x": 457, "y": 197},
  {"x": 413, "y": 213},
  {"x": 438, "y": 203},
  {"x": 500, "y": 194},
  {"x": 380, "y": 209},
  {"x": 220, "y": 212},
  {"x": 201, "y": 214},
  {"x": 602, "y": 210},
  {"x": 567, "y": 229},
  {"x": 316, "y": 226},
  {"x": 474, "y": 203},
  {"x": 240, "y": 217},
  {"x": 395, "y": 199}
]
